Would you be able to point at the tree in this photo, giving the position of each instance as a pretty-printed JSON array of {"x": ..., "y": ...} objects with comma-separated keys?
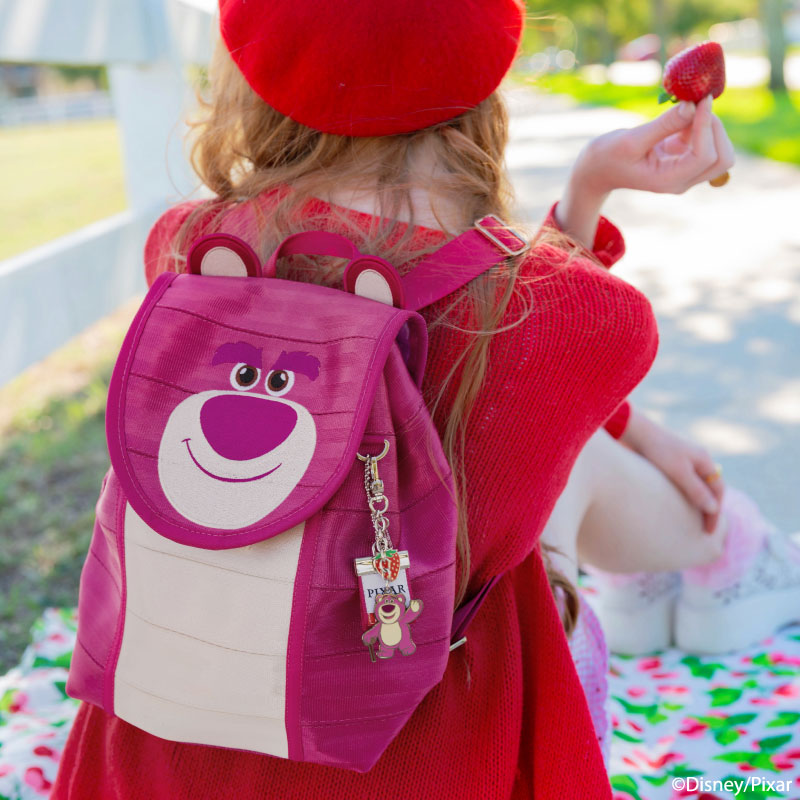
[
  {"x": 772, "y": 16},
  {"x": 659, "y": 16}
]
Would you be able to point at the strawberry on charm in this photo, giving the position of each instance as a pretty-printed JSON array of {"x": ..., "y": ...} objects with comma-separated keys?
[
  {"x": 694, "y": 73},
  {"x": 387, "y": 562}
]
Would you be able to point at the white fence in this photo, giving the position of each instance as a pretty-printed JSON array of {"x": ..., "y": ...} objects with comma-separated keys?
[
  {"x": 50, "y": 293},
  {"x": 55, "y": 108}
]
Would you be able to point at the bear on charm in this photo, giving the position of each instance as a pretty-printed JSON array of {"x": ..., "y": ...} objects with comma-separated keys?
[{"x": 391, "y": 629}]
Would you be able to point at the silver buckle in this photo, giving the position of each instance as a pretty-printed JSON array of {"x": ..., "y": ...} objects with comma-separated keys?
[
  {"x": 502, "y": 245},
  {"x": 462, "y": 640}
]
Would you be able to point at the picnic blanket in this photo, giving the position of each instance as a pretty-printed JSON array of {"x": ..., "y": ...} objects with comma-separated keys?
[
  {"x": 35, "y": 712},
  {"x": 724, "y": 727},
  {"x": 683, "y": 726}
]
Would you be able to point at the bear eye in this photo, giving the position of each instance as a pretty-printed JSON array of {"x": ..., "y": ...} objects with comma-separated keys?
[
  {"x": 244, "y": 376},
  {"x": 279, "y": 381}
]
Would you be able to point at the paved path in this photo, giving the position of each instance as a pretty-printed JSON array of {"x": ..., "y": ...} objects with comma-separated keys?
[{"x": 722, "y": 269}]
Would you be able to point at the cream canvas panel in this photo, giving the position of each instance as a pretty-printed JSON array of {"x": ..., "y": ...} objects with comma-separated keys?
[{"x": 203, "y": 656}]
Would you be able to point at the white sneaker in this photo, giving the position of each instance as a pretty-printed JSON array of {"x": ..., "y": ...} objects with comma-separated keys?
[
  {"x": 636, "y": 610},
  {"x": 745, "y": 609}
]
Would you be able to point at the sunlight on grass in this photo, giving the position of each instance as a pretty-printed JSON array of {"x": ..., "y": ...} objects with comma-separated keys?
[
  {"x": 756, "y": 119},
  {"x": 58, "y": 177}
]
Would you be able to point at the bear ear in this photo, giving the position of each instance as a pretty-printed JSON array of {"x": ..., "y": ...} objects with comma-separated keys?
[
  {"x": 221, "y": 254},
  {"x": 375, "y": 279}
]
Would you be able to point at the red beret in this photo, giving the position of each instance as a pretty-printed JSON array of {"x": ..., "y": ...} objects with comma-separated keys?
[{"x": 370, "y": 68}]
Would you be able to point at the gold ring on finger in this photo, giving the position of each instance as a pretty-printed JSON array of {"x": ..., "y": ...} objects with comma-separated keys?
[
  {"x": 715, "y": 475},
  {"x": 720, "y": 180}
]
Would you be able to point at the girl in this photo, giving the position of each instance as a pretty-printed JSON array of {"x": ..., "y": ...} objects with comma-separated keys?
[{"x": 383, "y": 123}]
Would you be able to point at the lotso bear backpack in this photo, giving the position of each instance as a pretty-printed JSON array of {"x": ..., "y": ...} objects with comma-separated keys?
[{"x": 272, "y": 566}]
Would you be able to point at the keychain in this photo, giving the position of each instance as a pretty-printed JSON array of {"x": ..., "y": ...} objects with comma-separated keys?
[{"x": 385, "y": 592}]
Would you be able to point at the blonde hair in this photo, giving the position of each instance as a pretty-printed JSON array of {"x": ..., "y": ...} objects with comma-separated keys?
[{"x": 243, "y": 149}]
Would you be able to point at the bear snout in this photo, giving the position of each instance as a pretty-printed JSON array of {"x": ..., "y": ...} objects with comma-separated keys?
[{"x": 240, "y": 427}]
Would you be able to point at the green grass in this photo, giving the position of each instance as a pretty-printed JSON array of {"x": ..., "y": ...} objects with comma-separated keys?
[
  {"x": 756, "y": 119},
  {"x": 52, "y": 459},
  {"x": 57, "y": 177}
]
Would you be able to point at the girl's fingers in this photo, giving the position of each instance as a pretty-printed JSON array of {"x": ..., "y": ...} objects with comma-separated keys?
[
  {"x": 695, "y": 490},
  {"x": 680, "y": 167},
  {"x": 651, "y": 133},
  {"x": 684, "y": 146},
  {"x": 702, "y": 140},
  {"x": 676, "y": 144},
  {"x": 703, "y": 463},
  {"x": 701, "y": 153},
  {"x": 726, "y": 156},
  {"x": 706, "y": 471},
  {"x": 699, "y": 488},
  {"x": 700, "y": 494},
  {"x": 710, "y": 522}
]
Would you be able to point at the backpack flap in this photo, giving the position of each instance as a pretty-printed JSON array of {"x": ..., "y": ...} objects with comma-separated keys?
[{"x": 236, "y": 407}]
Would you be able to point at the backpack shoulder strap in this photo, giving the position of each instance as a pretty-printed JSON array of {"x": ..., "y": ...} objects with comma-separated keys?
[
  {"x": 489, "y": 242},
  {"x": 466, "y": 612}
]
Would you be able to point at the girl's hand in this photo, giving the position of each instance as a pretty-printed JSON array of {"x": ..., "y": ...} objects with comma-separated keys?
[
  {"x": 685, "y": 146},
  {"x": 686, "y": 465}
]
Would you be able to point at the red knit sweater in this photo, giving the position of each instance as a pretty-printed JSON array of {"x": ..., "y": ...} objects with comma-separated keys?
[{"x": 509, "y": 719}]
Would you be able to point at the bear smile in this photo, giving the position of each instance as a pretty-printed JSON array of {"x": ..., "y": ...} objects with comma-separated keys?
[{"x": 220, "y": 477}]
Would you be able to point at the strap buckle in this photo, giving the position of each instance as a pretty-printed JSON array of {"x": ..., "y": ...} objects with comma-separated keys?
[{"x": 489, "y": 234}]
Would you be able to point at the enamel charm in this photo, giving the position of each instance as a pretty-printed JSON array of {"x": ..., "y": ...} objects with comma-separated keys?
[
  {"x": 374, "y": 584},
  {"x": 387, "y": 563},
  {"x": 391, "y": 631},
  {"x": 387, "y": 607}
]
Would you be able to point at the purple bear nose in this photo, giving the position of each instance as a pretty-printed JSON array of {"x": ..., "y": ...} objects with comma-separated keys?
[{"x": 244, "y": 426}]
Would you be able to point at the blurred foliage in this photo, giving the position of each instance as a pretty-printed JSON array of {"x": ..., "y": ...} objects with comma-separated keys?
[
  {"x": 756, "y": 119},
  {"x": 23, "y": 79},
  {"x": 72, "y": 73},
  {"x": 764, "y": 122},
  {"x": 64, "y": 176},
  {"x": 695, "y": 16},
  {"x": 594, "y": 30}
]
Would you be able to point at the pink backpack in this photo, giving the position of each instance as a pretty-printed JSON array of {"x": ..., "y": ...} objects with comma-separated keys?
[{"x": 273, "y": 560}]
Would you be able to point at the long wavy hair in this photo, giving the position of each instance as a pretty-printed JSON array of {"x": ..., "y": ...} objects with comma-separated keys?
[{"x": 243, "y": 151}]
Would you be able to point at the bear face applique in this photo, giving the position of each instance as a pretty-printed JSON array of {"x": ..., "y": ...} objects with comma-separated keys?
[
  {"x": 237, "y": 407},
  {"x": 228, "y": 458}
]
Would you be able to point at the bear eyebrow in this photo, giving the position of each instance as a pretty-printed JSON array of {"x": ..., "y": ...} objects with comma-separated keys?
[
  {"x": 237, "y": 353},
  {"x": 298, "y": 361}
]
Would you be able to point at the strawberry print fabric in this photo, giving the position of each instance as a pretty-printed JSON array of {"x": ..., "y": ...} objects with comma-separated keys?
[
  {"x": 35, "y": 712},
  {"x": 674, "y": 718},
  {"x": 678, "y": 718},
  {"x": 684, "y": 726}
]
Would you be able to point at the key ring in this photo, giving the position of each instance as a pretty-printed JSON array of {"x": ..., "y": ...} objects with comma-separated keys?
[{"x": 376, "y": 458}]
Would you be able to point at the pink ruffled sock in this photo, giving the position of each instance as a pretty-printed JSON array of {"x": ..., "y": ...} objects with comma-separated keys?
[
  {"x": 747, "y": 530},
  {"x": 615, "y": 580}
]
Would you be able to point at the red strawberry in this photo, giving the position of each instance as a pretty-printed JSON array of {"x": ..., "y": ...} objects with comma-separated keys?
[
  {"x": 694, "y": 73},
  {"x": 388, "y": 564},
  {"x": 35, "y": 778}
]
